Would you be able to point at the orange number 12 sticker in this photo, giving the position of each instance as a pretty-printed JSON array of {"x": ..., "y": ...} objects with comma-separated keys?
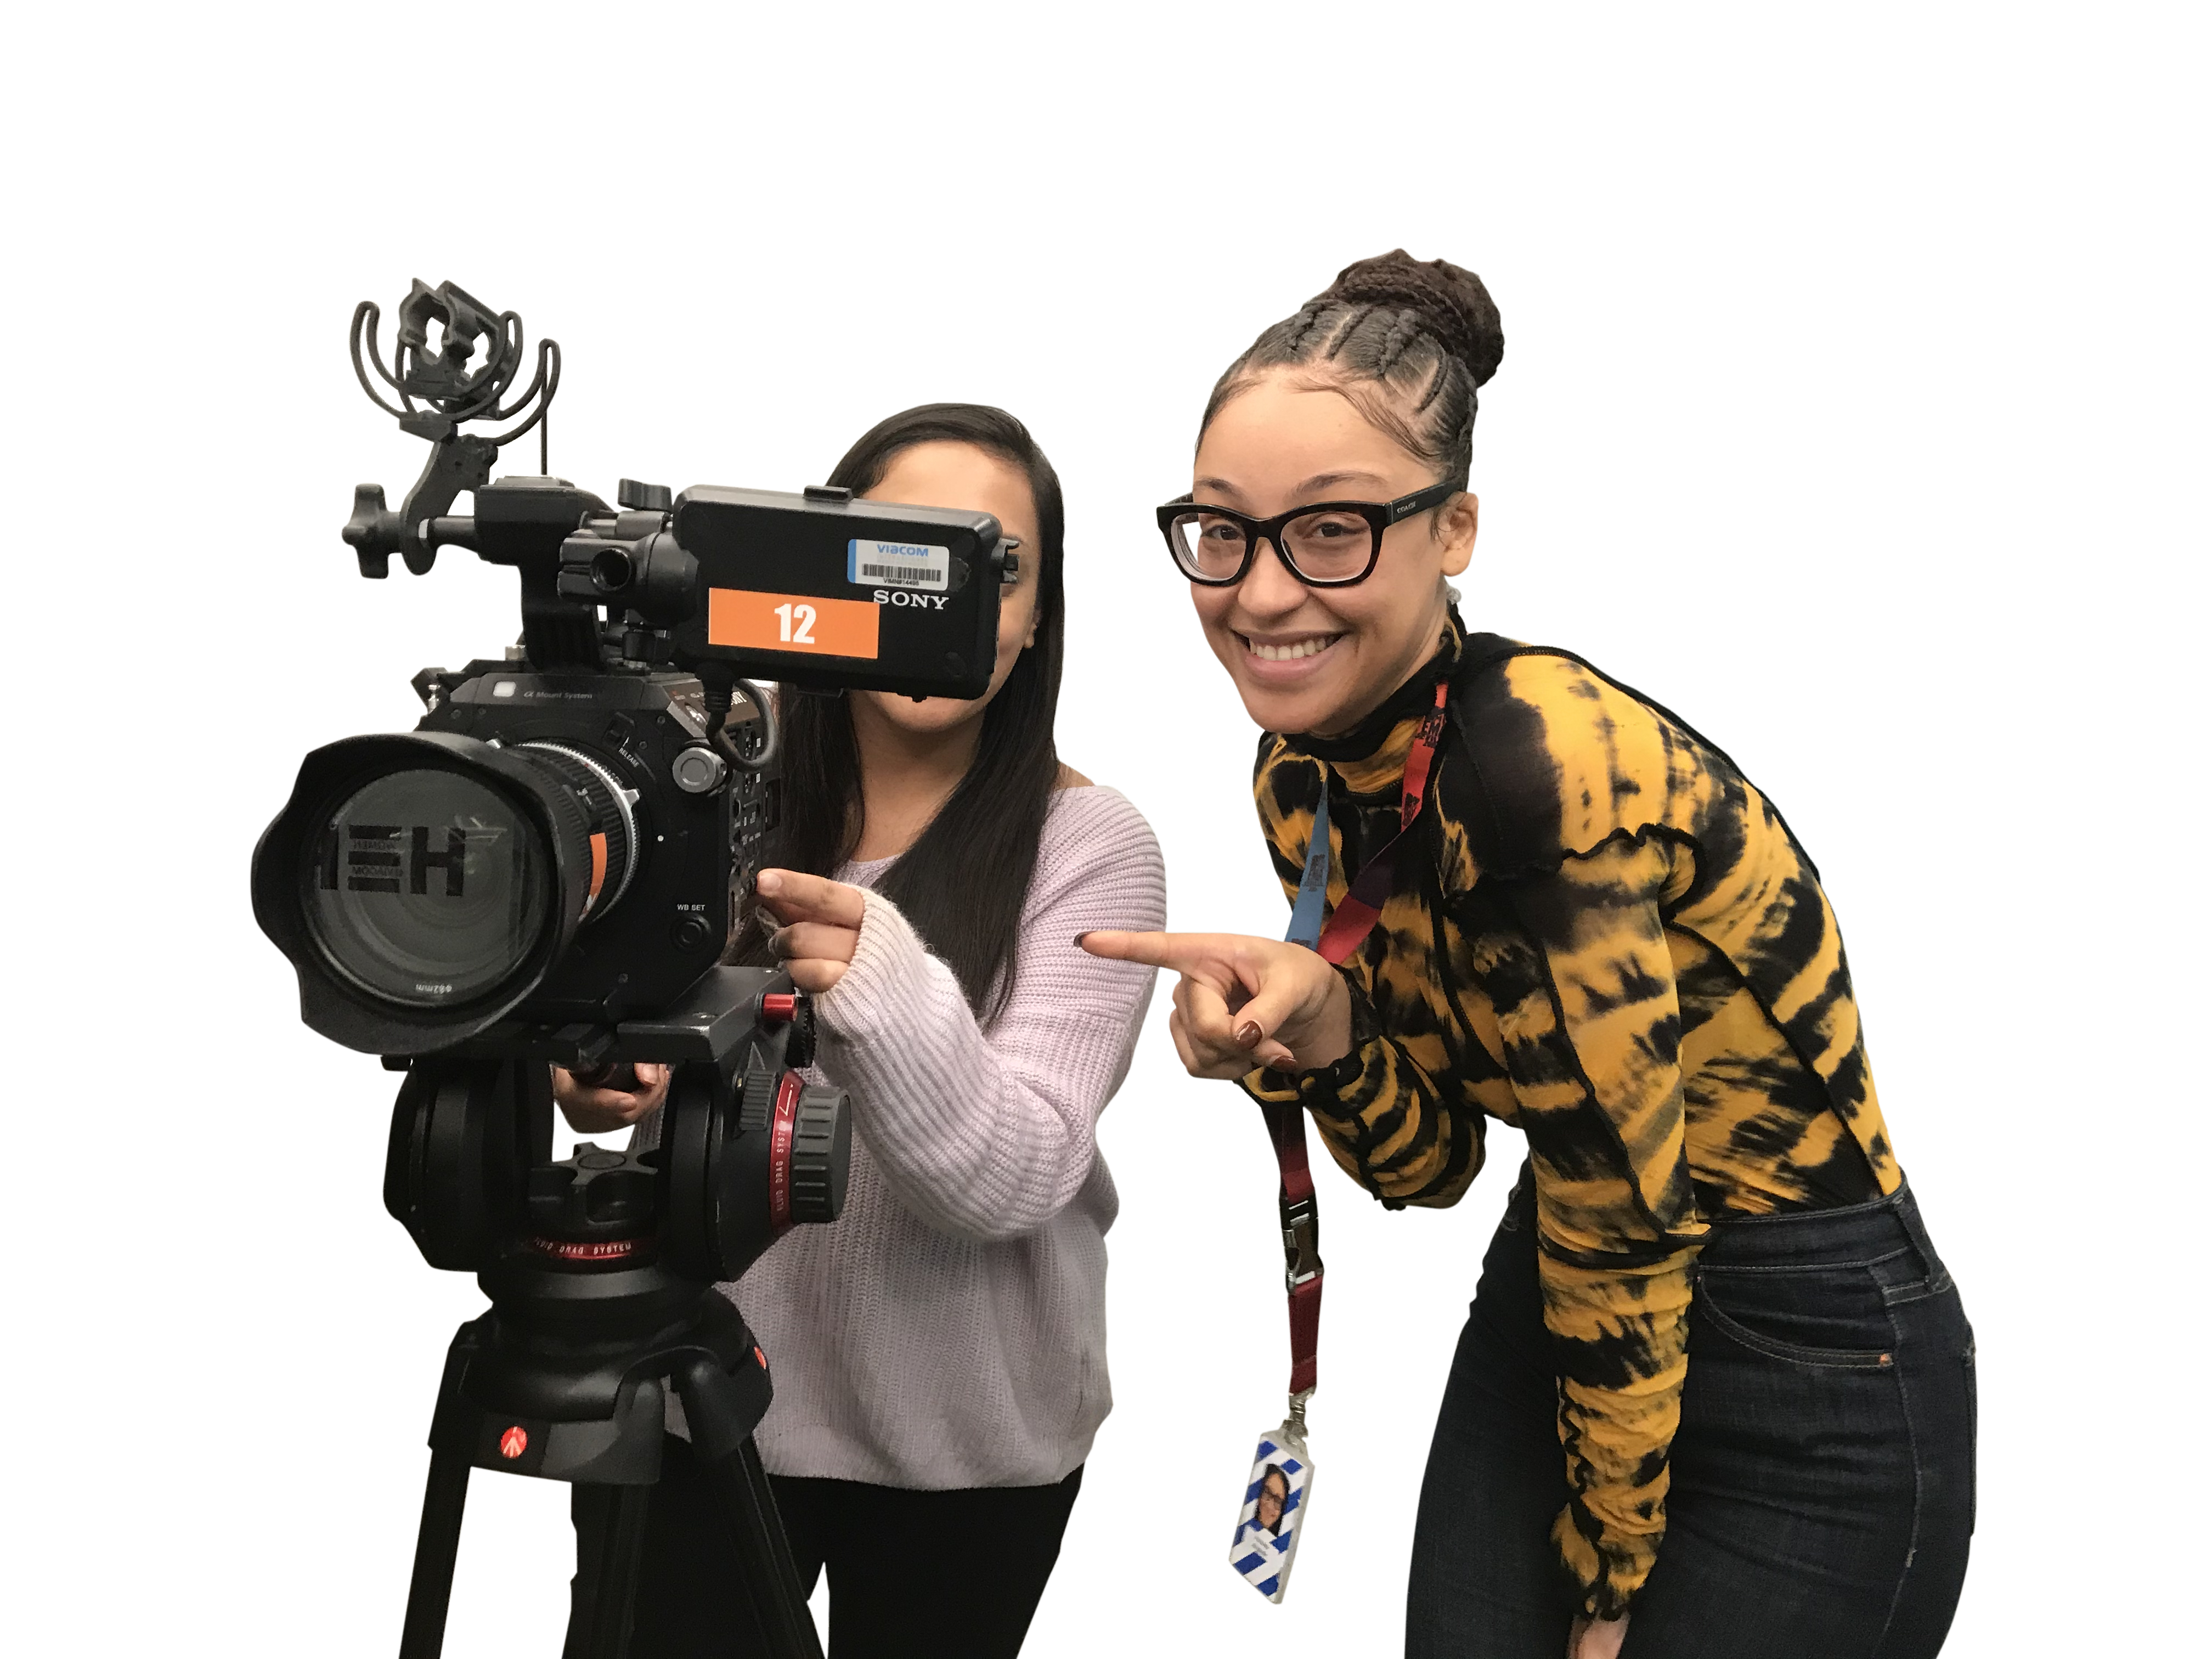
[{"x": 791, "y": 621}]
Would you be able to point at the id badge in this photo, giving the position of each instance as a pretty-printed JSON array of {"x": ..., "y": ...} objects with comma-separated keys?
[{"x": 1274, "y": 1512}]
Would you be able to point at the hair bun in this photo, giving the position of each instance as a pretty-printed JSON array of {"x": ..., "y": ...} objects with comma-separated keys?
[{"x": 1452, "y": 302}]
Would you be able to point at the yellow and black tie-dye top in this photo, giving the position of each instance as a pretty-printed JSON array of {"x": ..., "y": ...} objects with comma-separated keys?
[{"x": 1609, "y": 939}]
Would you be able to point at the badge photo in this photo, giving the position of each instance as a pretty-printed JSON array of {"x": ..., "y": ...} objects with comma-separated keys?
[{"x": 1274, "y": 1513}]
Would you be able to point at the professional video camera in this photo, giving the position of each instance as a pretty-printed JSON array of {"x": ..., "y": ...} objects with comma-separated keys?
[{"x": 548, "y": 870}]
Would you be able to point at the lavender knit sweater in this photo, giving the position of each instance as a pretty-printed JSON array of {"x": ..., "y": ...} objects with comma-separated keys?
[{"x": 950, "y": 1329}]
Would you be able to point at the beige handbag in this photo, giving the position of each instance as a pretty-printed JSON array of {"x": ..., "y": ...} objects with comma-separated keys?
[{"x": 1144, "y": 1421}]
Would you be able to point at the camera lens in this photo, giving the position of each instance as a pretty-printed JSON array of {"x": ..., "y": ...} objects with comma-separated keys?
[
  {"x": 430, "y": 888},
  {"x": 423, "y": 884},
  {"x": 612, "y": 826}
]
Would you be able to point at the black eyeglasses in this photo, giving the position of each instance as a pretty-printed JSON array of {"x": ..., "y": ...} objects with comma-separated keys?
[{"x": 1327, "y": 544}]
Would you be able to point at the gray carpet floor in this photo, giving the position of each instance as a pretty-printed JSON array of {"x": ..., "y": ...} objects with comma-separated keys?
[{"x": 1144, "y": 1567}]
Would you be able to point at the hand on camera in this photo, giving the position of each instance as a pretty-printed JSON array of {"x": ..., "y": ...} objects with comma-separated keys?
[
  {"x": 1596, "y": 1638},
  {"x": 1242, "y": 1002},
  {"x": 593, "y": 1111},
  {"x": 821, "y": 926}
]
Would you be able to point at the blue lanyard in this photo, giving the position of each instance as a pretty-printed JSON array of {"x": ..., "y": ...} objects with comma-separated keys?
[{"x": 1306, "y": 909}]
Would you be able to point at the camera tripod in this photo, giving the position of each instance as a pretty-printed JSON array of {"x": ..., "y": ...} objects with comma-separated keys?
[
  {"x": 601, "y": 1269},
  {"x": 580, "y": 1367}
]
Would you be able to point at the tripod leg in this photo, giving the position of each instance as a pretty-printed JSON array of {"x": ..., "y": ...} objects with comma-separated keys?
[
  {"x": 764, "y": 1566},
  {"x": 722, "y": 1409},
  {"x": 424, "y": 1634},
  {"x": 609, "y": 1546}
]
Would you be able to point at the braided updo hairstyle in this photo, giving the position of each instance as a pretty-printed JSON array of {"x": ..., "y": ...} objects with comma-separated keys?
[{"x": 1409, "y": 341}]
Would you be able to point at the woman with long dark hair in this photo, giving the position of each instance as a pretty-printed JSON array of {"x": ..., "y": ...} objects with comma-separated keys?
[
  {"x": 1715, "y": 1396},
  {"x": 319, "y": 1521},
  {"x": 940, "y": 1353}
]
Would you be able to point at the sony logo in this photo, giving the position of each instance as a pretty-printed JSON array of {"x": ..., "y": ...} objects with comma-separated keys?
[{"x": 931, "y": 601}]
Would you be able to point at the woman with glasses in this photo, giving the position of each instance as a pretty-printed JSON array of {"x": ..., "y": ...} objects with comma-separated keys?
[{"x": 1716, "y": 1393}]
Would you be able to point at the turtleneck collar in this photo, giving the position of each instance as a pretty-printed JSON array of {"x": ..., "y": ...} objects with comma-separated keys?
[{"x": 1372, "y": 757}]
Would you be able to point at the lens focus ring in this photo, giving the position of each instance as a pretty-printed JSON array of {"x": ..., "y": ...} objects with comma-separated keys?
[{"x": 605, "y": 803}]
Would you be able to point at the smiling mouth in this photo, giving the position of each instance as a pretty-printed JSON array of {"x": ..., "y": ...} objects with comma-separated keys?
[{"x": 1311, "y": 645}]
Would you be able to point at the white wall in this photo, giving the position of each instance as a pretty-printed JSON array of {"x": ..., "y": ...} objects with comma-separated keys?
[
  {"x": 759, "y": 366},
  {"x": 1198, "y": 1193}
]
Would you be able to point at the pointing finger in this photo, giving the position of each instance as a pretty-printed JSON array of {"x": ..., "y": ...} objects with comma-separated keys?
[{"x": 1176, "y": 951}]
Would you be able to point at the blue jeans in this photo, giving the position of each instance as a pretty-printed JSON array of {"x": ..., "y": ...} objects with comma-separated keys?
[{"x": 1822, "y": 1497}]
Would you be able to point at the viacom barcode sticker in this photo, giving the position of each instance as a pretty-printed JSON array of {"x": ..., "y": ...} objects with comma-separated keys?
[
  {"x": 898, "y": 564},
  {"x": 1274, "y": 1512}
]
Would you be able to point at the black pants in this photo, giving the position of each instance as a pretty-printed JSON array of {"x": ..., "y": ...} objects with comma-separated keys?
[
  {"x": 1823, "y": 1477},
  {"x": 913, "y": 1574}
]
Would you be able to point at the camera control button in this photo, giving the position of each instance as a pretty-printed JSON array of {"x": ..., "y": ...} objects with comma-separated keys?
[
  {"x": 691, "y": 932},
  {"x": 698, "y": 771}
]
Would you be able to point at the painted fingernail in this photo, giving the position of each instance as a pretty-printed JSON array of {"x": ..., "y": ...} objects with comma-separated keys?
[
  {"x": 1247, "y": 1034},
  {"x": 1079, "y": 938}
]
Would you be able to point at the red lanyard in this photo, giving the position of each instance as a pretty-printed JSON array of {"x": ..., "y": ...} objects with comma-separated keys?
[
  {"x": 1352, "y": 921},
  {"x": 1371, "y": 888}
]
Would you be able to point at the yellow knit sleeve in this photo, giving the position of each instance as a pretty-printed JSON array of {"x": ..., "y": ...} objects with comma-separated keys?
[{"x": 1592, "y": 1047}]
